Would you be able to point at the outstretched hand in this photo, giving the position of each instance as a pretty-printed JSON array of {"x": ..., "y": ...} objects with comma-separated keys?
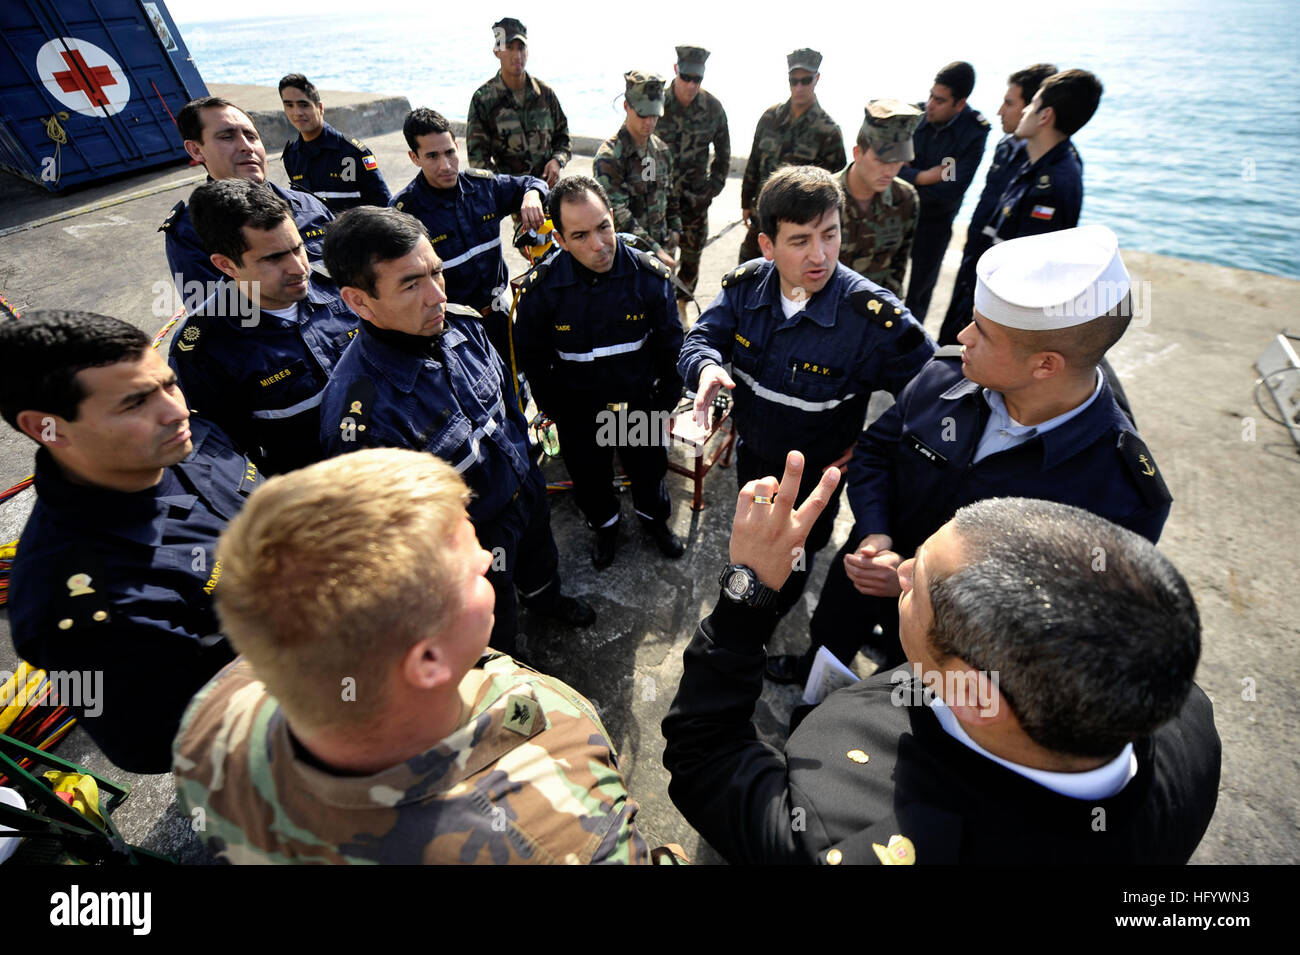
[
  {"x": 766, "y": 537},
  {"x": 712, "y": 378}
]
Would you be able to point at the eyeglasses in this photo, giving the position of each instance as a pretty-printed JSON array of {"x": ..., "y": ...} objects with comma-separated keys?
[
  {"x": 802, "y": 80},
  {"x": 691, "y": 78}
]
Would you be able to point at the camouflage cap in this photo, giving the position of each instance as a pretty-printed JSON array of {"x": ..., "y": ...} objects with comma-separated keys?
[
  {"x": 888, "y": 129},
  {"x": 690, "y": 60},
  {"x": 645, "y": 92},
  {"x": 803, "y": 59},
  {"x": 506, "y": 31}
]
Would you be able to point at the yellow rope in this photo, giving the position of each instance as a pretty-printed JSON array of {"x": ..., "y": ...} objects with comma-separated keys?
[
  {"x": 56, "y": 132},
  {"x": 514, "y": 370}
]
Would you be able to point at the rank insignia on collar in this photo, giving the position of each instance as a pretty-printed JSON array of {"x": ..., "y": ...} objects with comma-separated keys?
[
  {"x": 522, "y": 713},
  {"x": 900, "y": 851},
  {"x": 79, "y": 585}
]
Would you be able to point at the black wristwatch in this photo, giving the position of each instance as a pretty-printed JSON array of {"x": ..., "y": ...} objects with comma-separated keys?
[{"x": 742, "y": 586}]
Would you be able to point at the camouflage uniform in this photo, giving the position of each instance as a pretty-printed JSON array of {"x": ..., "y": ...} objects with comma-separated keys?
[
  {"x": 688, "y": 131},
  {"x": 876, "y": 242},
  {"x": 639, "y": 180},
  {"x": 506, "y": 137},
  {"x": 877, "y": 234},
  {"x": 813, "y": 139},
  {"x": 529, "y": 777}
]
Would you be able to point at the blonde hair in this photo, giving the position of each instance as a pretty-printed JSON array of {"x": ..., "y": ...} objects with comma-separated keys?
[{"x": 334, "y": 571}]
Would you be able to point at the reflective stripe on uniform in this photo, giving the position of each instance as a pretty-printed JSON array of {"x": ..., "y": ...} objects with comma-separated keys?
[
  {"x": 470, "y": 458},
  {"x": 466, "y": 256},
  {"x": 604, "y": 351},
  {"x": 337, "y": 195},
  {"x": 789, "y": 400},
  {"x": 478, "y": 433},
  {"x": 292, "y": 410}
]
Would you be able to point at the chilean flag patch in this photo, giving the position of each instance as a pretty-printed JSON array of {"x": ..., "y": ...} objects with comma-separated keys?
[
  {"x": 370, "y": 163},
  {"x": 1042, "y": 212}
]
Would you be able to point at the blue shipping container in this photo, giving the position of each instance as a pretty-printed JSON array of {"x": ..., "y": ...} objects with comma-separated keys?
[{"x": 89, "y": 88}]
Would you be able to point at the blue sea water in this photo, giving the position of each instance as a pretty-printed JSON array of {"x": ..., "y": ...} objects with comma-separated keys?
[{"x": 1194, "y": 152}]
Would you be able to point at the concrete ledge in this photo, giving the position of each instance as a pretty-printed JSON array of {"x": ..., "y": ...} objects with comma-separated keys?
[{"x": 354, "y": 114}]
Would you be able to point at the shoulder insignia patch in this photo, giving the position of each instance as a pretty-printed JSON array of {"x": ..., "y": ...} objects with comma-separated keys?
[
  {"x": 480, "y": 173},
  {"x": 85, "y": 604},
  {"x": 190, "y": 334},
  {"x": 878, "y": 310},
  {"x": 1150, "y": 482},
  {"x": 464, "y": 310},
  {"x": 357, "y": 404},
  {"x": 522, "y": 714},
  {"x": 360, "y": 145},
  {"x": 979, "y": 118},
  {"x": 171, "y": 216},
  {"x": 650, "y": 262},
  {"x": 742, "y": 273},
  {"x": 900, "y": 850},
  {"x": 536, "y": 274}
]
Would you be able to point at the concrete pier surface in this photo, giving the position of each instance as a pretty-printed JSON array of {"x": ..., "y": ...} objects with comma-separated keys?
[{"x": 1187, "y": 364}]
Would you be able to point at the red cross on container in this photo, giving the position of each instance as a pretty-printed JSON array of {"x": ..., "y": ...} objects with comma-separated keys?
[{"x": 91, "y": 80}]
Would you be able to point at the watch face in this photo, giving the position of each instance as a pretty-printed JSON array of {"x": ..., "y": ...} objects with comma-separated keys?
[{"x": 738, "y": 583}]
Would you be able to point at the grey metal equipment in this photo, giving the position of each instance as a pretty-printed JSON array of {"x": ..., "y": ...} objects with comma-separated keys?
[{"x": 1279, "y": 367}]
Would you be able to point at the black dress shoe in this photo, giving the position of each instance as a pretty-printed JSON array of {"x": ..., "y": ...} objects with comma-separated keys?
[
  {"x": 787, "y": 668},
  {"x": 669, "y": 544},
  {"x": 568, "y": 610},
  {"x": 604, "y": 547}
]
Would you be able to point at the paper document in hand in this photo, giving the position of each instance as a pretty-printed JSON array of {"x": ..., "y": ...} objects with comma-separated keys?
[
  {"x": 685, "y": 430},
  {"x": 828, "y": 674}
]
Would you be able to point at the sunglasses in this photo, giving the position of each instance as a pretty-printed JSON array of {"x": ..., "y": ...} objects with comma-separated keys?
[
  {"x": 691, "y": 78},
  {"x": 802, "y": 80}
]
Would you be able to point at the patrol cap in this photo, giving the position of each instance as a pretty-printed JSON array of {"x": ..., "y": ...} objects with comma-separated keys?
[
  {"x": 506, "y": 30},
  {"x": 888, "y": 129},
  {"x": 1050, "y": 281},
  {"x": 803, "y": 59},
  {"x": 645, "y": 92},
  {"x": 690, "y": 59}
]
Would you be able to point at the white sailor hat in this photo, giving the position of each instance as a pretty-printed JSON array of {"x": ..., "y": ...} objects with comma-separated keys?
[{"x": 1050, "y": 281}]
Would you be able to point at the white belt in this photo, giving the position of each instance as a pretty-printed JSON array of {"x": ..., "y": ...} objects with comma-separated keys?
[
  {"x": 789, "y": 400},
  {"x": 604, "y": 351}
]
